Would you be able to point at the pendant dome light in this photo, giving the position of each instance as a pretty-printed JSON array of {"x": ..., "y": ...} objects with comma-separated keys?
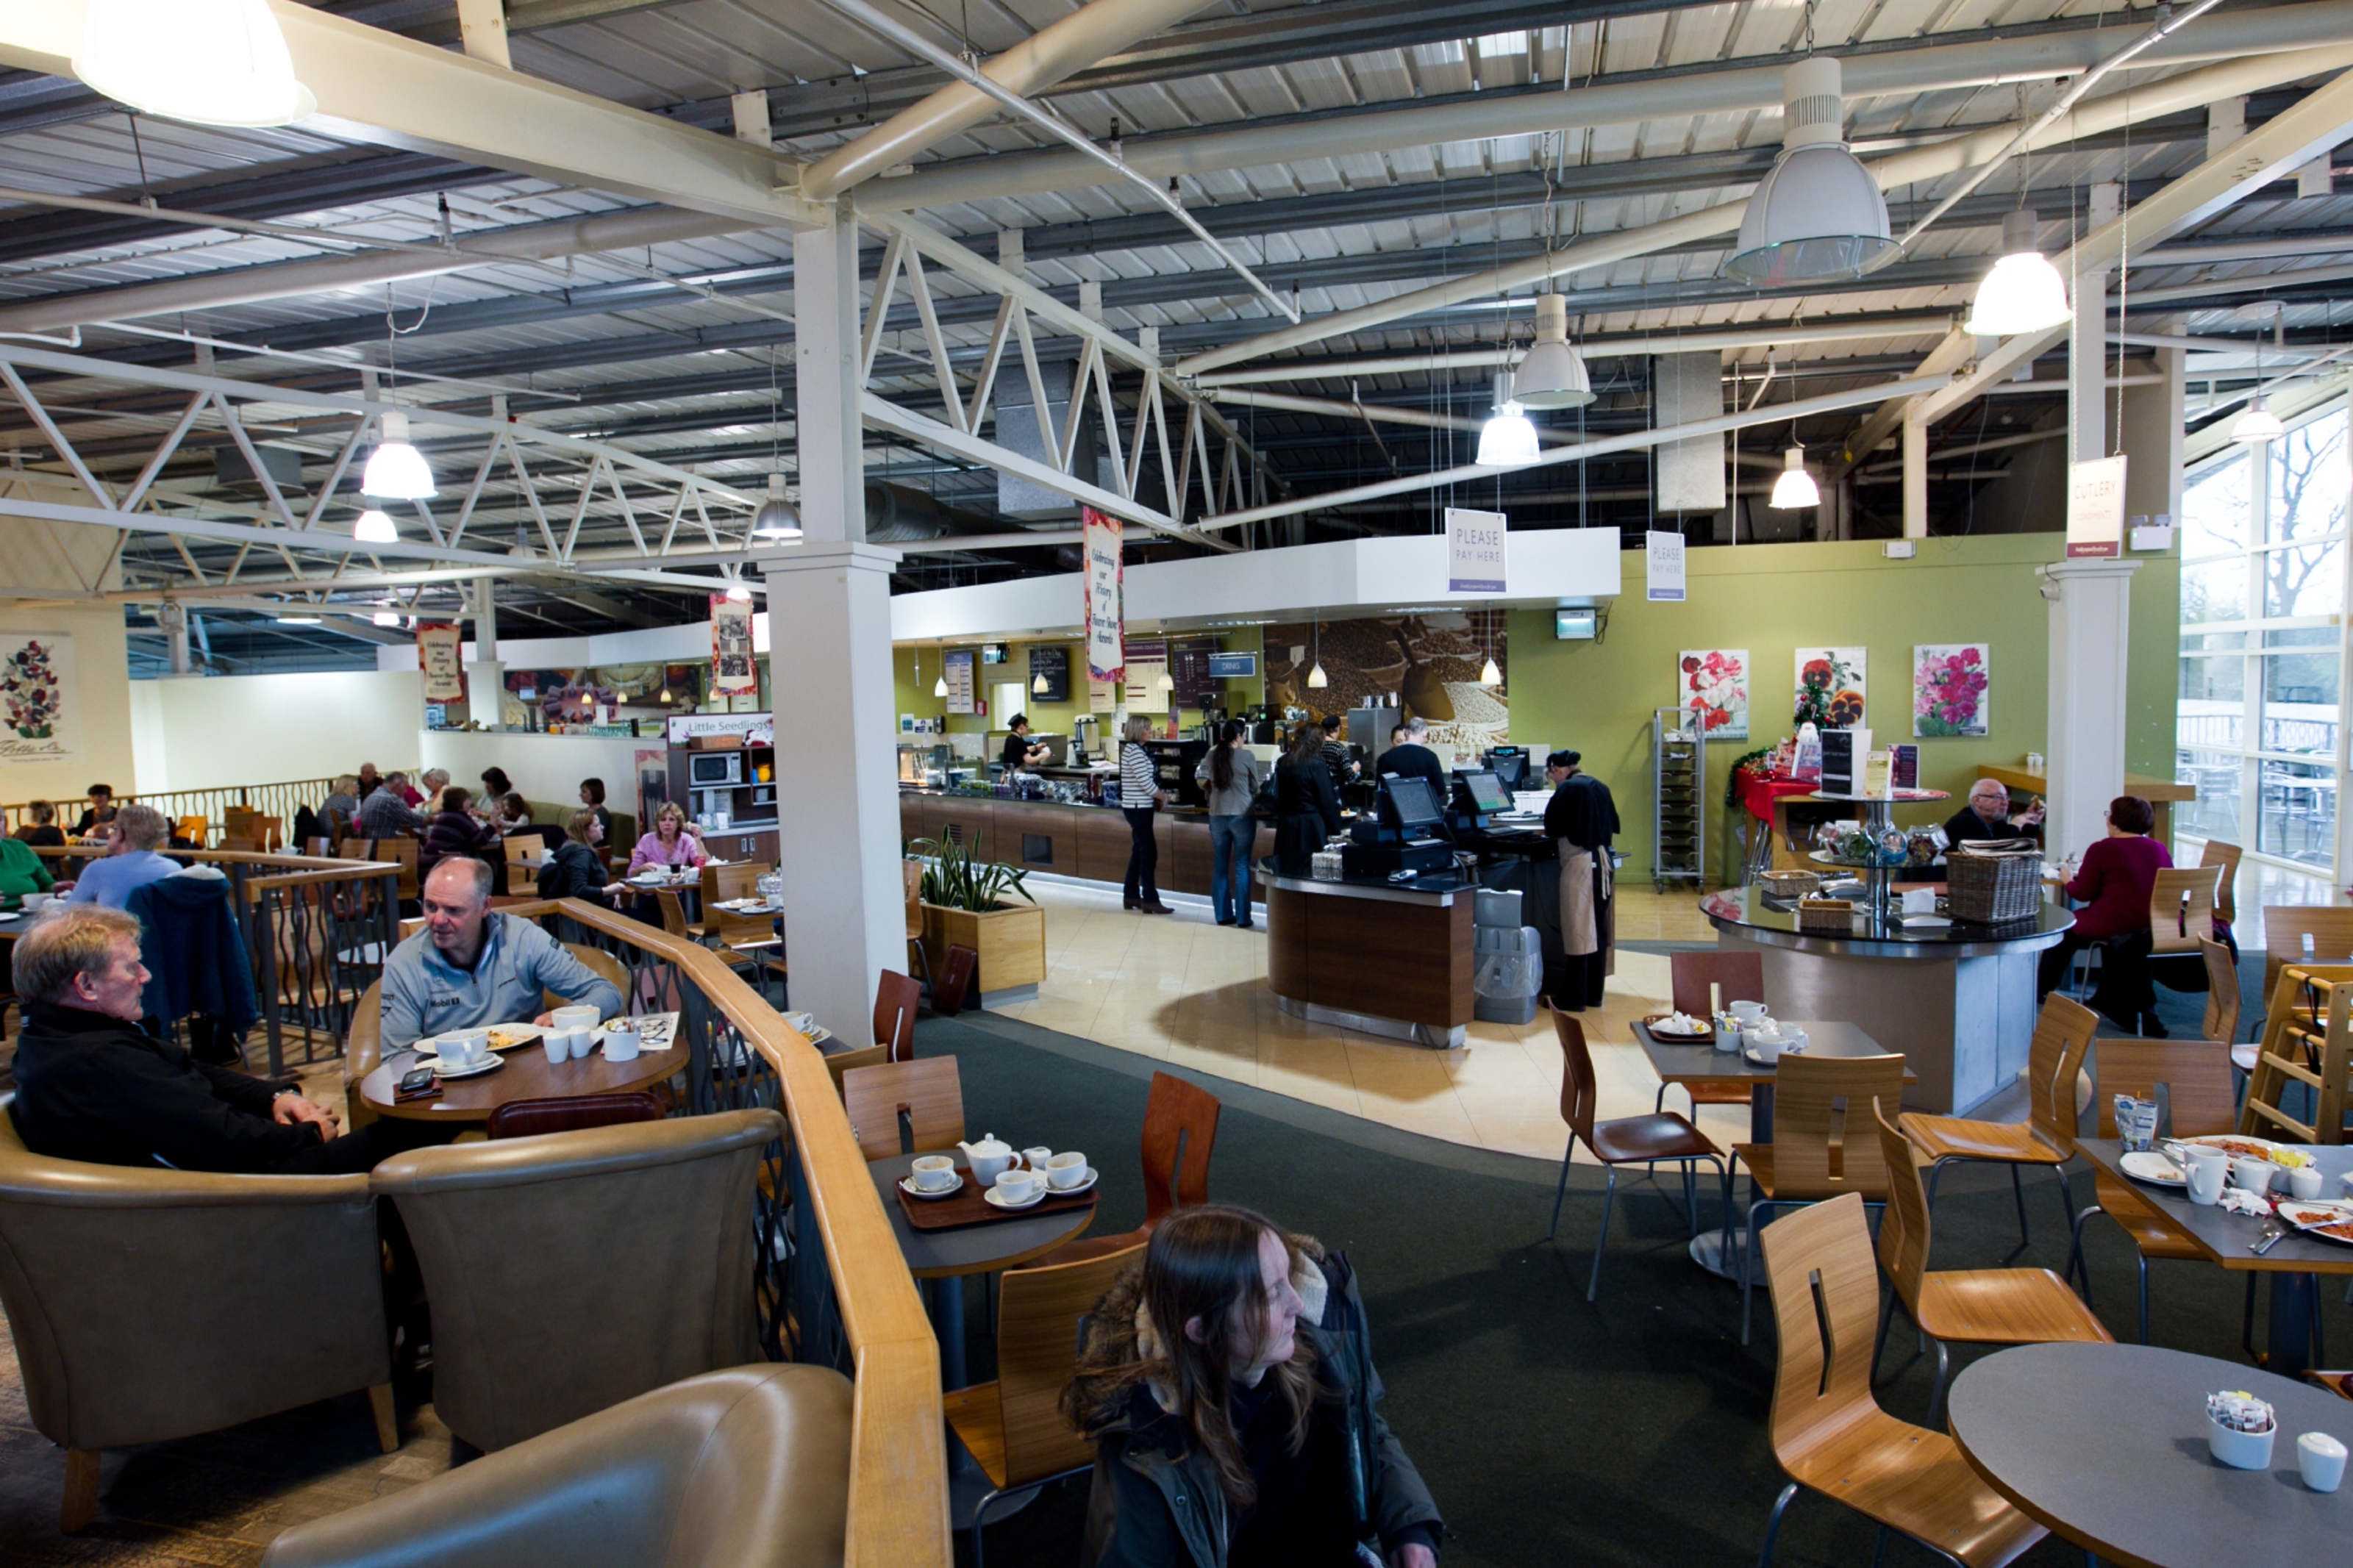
[
  {"x": 387, "y": 617},
  {"x": 939, "y": 687},
  {"x": 395, "y": 469},
  {"x": 2258, "y": 423},
  {"x": 214, "y": 62},
  {"x": 738, "y": 594},
  {"x": 2023, "y": 293},
  {"x": 1038, "y": 686},
  {"x": 1315, "y": 677},
  {"x": 375, "y": 526},
  {"x": 1818, "y": 214},
  {"x": 1795, "y": 488},
  {"x": 777, "y": 518},
  {"x": 1506, "y": 440},
  {"x": 1552, "y": 376}
]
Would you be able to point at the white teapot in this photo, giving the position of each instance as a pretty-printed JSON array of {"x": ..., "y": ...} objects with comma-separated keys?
[{"x": 987, "y": 1157}]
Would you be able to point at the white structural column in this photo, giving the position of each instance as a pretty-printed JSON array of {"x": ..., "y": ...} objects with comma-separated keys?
[
  {"x": 486, "y": 677},
  {"x": 2087, "y": 342},
  {"x": 829, "y": 652},
  {"x": 1915, "y": 474},
  {"x": 2090, "y": 627}
]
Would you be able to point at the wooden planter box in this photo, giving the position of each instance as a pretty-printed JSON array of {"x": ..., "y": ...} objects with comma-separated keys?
[{"x": 1011, "y": 944}]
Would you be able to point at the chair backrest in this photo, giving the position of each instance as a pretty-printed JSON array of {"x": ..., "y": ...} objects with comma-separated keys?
[
  {"x": 2285, "y": 926},
  {"x": 2195, "y": 1075},
  {"x": 270, "y": 832},
  {"x": 2181, "y": 908},
  {"x": 402, "y": 850},
  {"x": 314, "y": 847},
  {"x": 1738, "y": 976},
  {"x": 952, "y": 984},
  {"x": 522, "y": 872},
  {"x": 1038, "y": 1318},
  {"x": 2062, "y": 1034},
  {"x": 363, "y": 1050},
  {"x": 736, "y": 881},
  {"x": 1825, "y": 1289},
  {"x": 896, "y": 999},
  {"x": 530, "y": 1117},
  {"x": 2224, "y": 857},
  {"x": 1180, "y": 1132},
  {"x": 1577, "y": 1092},
  {"x": 673, "y": 912},
  {"x": 632, "y": 1237},
  {"x": 192, "y": 829},
  {"x": 911, "y": 873},
  {"x": 926, "y": 1089},
  {"x": 2222, "y": 992},
  {"x": 842, "y": 1062},
  {"x": 1824, "y": 1143},
  {"x": 1903, "y": 1228},
  {"x": 602, "y": 965}
]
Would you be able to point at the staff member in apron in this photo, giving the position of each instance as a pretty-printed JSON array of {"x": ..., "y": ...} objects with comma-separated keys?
[{"x": 1581, "y": 818}]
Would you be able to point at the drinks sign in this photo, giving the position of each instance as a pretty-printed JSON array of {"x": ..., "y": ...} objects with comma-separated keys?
[
  {"x": 2096, "y": 508},
  {"x": 1106, "y": 634},
  {"x": 1474, "y": 551},
  {"x": 437, "y": 656}
]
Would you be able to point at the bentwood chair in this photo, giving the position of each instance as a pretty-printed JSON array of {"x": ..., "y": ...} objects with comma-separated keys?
[
  {"x": 1626, "y": 1141},
  {"x": 523, "y": 867},
  {"x": 1180, "y": 1132},
  {"x": 2224, "y": 857},
  {"x": 402, "y": 850},
  {"x": 911, "y": 872},
  {"x": 897, "y": 999},
  {"x": 927, "y": 1091},
  {"x": 1971, "y": 1306},
  {"x": 530, "y": 1117},
  {"x": 1828, "y": 1433},
  {"x": 1733, "y": 977},
  {"x": 2181, "y": 908},
  {"x": 1013, "y": 1429},
  {"x": 2063, "y": 1035},
  {"x": 1824, "y": 1145}
]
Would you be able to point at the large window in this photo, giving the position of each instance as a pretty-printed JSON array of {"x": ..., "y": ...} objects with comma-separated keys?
[{"x": 2264, "y": 643}]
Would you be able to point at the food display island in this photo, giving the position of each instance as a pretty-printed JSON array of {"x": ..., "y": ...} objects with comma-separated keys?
[{"x": 1372, "y": 955}]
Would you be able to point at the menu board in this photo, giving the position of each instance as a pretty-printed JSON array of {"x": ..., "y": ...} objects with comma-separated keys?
[
  {"x": 1052, "y": 664},
  {"x": 959, "y": 673}
]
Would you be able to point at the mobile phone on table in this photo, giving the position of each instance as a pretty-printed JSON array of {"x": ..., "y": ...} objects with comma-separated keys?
[{"x": 417, "y": 1079}]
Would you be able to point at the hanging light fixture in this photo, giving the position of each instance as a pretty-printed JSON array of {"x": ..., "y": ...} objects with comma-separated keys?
[
  {"x": 1166, "y": 682},
  {"x": 1795, "y": 488},
  {"x": 2258, "y": 423},
  {"x": 1315, "y": 677},
  {"x": 395, "y": 469},
  {"x": 1488, "y": 674},
  {"x": 738, "y": 594},
  {"x": 298, "y": 620},
  {"x": 2023, "y": 293},
  {"x": 1506, "y": 440},
  {"x": 216, "y": 62},
  {"x": 1818, "y": 214},
  {"x": 1038, "y": 686},
  {"x": 777, "y": 517},
  {"x": 1551, "y": 374},
  {"x": 387, "y": 617},
  {"x": 374, "y": 527},
  {"x": 939, "y": 687}
]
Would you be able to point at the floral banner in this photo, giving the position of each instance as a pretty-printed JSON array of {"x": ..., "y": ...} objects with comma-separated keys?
[
  {"x": 1714, "y": 683},
  {"x": 36, "y": 685},
  {"x": 1829, "y": 688},
  {"x": 733, "y": 669},
  {"x": 1949, "y": 692}
]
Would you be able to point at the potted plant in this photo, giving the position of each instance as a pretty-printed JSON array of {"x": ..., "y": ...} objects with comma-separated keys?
[{"x": 968, "y": 902}]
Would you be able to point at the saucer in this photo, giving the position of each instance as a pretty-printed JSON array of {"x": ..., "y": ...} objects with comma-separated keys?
[
  {"x": 907, "y": 1185},
  {"x": 993, "y": 1201},
  {"x": 1086, "y": 1186},
  {"x": 443, "y": 1070}
]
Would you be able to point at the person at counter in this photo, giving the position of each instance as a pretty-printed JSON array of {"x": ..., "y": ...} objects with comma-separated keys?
[
  {"x": 1020, "y": 753},
  {"x": 1139, "y": 798},
  {"x": 1413, "y": 758},
  {"x": 673, "y": 842},
  {"x": 2114, "y": 883},
  {"x": 1988, "y": 815},
  {"x": 1581, "y": 818},
  {"x": 1338, "y": 760},
  {"x": 1231, "y": 778},
  {"x": 1306, "y": 803}
]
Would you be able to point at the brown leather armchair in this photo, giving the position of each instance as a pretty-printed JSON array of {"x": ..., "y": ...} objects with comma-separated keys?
[
  {"x": 572, "y": 1271},
  {"x": 749, "y": 1465},
  {"x": 154, "y": 1304}
]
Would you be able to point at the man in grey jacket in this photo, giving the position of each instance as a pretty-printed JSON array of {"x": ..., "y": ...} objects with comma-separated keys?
[{"x": 468, "y": 967}]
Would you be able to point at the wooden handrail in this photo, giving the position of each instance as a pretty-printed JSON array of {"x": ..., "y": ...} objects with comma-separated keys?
[{"x": 898, "y": 1463}]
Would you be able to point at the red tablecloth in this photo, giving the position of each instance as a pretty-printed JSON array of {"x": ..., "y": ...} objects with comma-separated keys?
[{"x": 1760, "y": 791}]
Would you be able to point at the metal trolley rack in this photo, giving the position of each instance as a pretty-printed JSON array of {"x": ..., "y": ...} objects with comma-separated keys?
[{"x": 1679, "y": 798}]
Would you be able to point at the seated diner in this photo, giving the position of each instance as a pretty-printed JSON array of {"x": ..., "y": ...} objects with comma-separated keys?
[{"x": 471, "y": 966}]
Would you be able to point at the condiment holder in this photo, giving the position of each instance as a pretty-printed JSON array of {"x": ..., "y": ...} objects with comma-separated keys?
[
  {"x": 2320, "y": 1458},
  {"x": 2239, "y": 1430}
]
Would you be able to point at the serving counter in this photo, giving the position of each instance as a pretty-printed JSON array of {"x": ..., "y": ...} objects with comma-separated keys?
[
  {"x": 1367, "y": 954},
  {"x": 1958, "y": 1000},
  {"x": 1088, "y": 842}
]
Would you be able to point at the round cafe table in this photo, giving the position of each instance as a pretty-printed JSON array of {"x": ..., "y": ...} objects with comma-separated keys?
[
  {"x": 2106, "y": 1445},
  {"x": 527, "y": 1075}
]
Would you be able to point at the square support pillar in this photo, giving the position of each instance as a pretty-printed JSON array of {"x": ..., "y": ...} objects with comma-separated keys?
[
  {"x": 829, "y": 440},
  {"x": 2091, "y": 634}
]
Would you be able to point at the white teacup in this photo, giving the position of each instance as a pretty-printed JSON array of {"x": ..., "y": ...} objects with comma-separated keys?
[
  {"x": 932, "y": 1173},
  {"x": 1036, "y": 1158},
  {"x": 1766, "y": 1043},
  {"x": 36, "y": 903},
  {"x": 1018, "y": 1186},
  {"x": 621, "y": 1044},
  {"x": 557, "y": 1043},
  {"x": 576, "y": 1017},
  {"x": 464, "y": 1050},
  {"x": 2255, "y": 1175},
  {"x": 1747, "y": 1012},
  {"x": 1067, "y": 1169},
  {"x": 2204, "y": 1172}
]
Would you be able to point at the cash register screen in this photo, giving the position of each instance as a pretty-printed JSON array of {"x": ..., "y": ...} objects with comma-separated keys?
[
  {"x": 1415, "y": 802},
  {"x": 1487, "y": 793}
]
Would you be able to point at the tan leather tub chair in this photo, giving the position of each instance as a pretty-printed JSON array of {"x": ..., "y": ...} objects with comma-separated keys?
[
  {"x": 572, "y": 1271},
  {"x": 732, "y": 1469},
  {"x": 154, "y": 1304}
]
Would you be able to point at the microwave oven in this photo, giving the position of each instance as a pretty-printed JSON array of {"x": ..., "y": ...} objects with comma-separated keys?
[{"x": 713, "y": 769}]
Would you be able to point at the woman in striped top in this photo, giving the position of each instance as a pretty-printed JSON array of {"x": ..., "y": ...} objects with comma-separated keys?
[{"x": 1139, "y": 796}]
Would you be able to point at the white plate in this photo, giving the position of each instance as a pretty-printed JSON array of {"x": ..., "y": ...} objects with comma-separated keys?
[
  {"x": 2149, "y": 1165},
  {"x": 994, "y": 1201},
  {"x": 519, "y": 1036},
  {"x": 495, "y": 1062},
  {"x": 1085, "y": 1186},
  {"x": 907, "y": 1185},
  {"x": 1752, "y": 1059},
  {"x": 2228, "y": 1140},
  {"x": 1670, "y": 1035}
]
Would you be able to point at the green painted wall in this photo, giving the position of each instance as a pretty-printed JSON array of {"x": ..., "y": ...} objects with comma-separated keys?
[{"x": 1598, "y": 697}]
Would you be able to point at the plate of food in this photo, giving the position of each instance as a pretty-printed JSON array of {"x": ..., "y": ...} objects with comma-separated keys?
[
  {"x": 2333, "y": 1221},
  {"x": 1679, "y": 1026},
  {"x": 2237, "y": 1145},
  {"x": 503, "y": 1037},
  {"x": 2149, "y": 1165}
]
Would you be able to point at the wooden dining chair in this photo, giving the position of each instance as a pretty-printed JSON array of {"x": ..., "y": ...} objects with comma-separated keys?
[
  {"x": 2284, "y": 929},
  {"x": 530, "y": 1118},
  {"x": 2196, "y": 1076},
  {"x": 2223, "y": 1002},
  {"x": 927, "y": 1091},
  {"x": 523, "y": 867},
  {"x": 1014, "y": 1427},
  {"x": 1180, "y": 1133},
  {"x": 1828, "y": 1433},
  {"x": 2224, "y": 858},
  {"x": 1626, "y": 1140},
  {"x": 1967, "y": 1306},
  {"x": 2063, "y": 1036},
  {"x": 722, "y": 884},
  {"x": 604, "y": 965},
  {"x": 402, "y": 850},
  {"x": 192, "y": 829},
  {"x": 1824, "y": 1145},
  {"x": 2180, "y": 909},
  {"x": 1734, "y": 977},
  {"x": 910, "y": 873},
  {"x": 896, "y": 1000}
]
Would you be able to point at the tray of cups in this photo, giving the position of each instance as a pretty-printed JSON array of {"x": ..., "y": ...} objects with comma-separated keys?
[{"x": 965, "y": 1202}]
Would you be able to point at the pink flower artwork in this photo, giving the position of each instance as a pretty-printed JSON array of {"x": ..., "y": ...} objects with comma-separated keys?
[
  {"x": 1950, "y": 689},
  {"x": 1714, "y": 683}
]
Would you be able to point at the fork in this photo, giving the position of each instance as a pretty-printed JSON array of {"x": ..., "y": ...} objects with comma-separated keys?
[{"x": 2269, "y": 1239}]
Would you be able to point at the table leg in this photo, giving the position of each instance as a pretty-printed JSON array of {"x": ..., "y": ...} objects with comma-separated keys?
[
  {"x": 947, "y": 1322},
  {"x": 2294, "y": 1298},
  {"x": 1714, "y": 1250}
]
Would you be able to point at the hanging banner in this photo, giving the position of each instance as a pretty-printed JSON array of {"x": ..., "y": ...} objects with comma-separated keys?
[
  {"x": 1105, "y": 631},
  {"x": 732, "y": 669},
  {"x": 42, "y": 703},
  {"x": 1474, "y": 551},
  {"x": 1664, "y": 575},
  {"x": 2096, "y": 508},
  {"x": 438, "y": 655}
]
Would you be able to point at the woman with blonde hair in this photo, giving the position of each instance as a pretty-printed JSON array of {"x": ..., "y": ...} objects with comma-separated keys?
[
  {"x": 673, "y": 842},
  {"x": 1140, "y": 797}
]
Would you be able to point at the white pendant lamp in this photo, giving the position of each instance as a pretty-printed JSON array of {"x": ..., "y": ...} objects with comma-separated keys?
[
  {"x": 1506, "y": 440},
  {"x": 216, "y": 62},
  {"x": 1796, "y": 487},
  {"x": 1489, "y": 674},
  {"x": 376, "y": 527},
  {"x": 777, "y": 517},
  {"x": 395, "y": 469},
  {"x": 2023, "y": 293},
  {"x": 738, "y": 594},
  {"x": 387, "y": 617},
  {"x": 1552, "y": 376},
  {"x": 1038, "y": 686},
  {"x": 2257, "y": 424},
  {"x": 1315, "y": 677},
  {"x": 939, "y": 687},
  {"x": 1819, "y": 214}
]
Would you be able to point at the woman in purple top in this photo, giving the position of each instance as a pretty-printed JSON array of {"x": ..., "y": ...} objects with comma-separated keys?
[
  {"x": 671, "y": 843},
  {"x": 2118, "y": 875}
]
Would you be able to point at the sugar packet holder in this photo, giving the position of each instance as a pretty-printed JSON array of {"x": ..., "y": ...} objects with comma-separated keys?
[{"x": 2239, "y": 1411}]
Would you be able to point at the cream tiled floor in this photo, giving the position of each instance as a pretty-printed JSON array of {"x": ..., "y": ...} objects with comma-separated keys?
[{"x": 1181, "y": 989}]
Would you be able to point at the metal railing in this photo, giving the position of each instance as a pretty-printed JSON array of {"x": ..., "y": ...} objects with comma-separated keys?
[{"x": 281, "y": 800}]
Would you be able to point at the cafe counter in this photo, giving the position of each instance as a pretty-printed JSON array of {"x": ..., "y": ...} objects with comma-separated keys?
[
  {"x": 1088, "y": 842},
  {"x": 1372, "y": 955}
]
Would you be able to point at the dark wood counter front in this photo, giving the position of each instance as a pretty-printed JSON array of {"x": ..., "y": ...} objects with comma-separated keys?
[
  {"x": 1377, "y": 959},
  {"x": 1088, "y": 842}
]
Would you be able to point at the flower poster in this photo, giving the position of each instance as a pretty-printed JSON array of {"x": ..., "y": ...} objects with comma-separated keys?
[
  {"x": 733, "y": 669},
  {"x": 37, "y": 697},
  {"x": 1948, "y": 689},
  {"x": 1713, "y": 682},
  {"x": 1829, "y": 688}
]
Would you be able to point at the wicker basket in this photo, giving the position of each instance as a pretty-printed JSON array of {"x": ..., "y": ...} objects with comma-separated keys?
[
  {"x": 1990, "y": 888},
  {"x": 1789, "y": 884},
  {"x": 1828, "y": 917}
]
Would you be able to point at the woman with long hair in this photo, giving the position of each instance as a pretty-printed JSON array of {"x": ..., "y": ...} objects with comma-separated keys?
[
  {"x": 1227, "y": 1379},
  {"x": 1306, "y": 801},
  {"x": 673, "y": 842},
  {"x": 1232, "y": 774}
]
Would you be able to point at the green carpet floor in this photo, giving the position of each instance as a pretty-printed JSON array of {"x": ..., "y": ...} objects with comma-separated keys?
[{"x": 1631, "y": 1431}]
